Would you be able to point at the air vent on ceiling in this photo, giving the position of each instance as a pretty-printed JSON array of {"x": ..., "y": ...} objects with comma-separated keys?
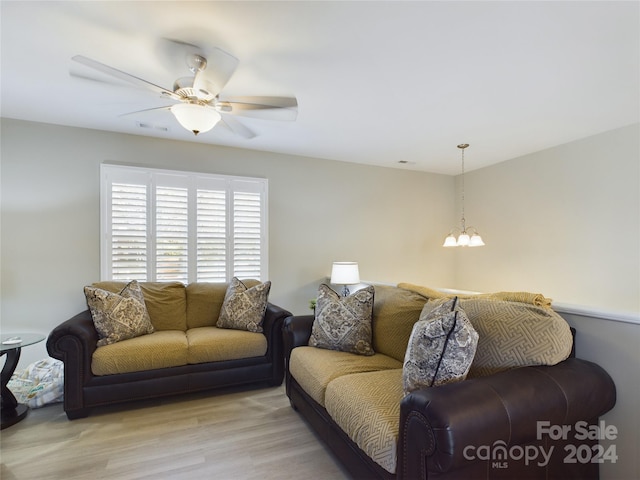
[{"x": 151, "y": 126}]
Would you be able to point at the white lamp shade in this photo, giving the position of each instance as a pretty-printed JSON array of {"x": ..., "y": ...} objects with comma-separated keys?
[
  {"x": 450, "y": 241},
  {"x": 476, "y": 241},
  {"x": 195, "y": 118},
  {"x": 463, "y": 240},
  {"x": 345, "y": 273}
]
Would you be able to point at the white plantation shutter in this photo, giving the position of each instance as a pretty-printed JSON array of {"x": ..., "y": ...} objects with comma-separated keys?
[
  {"x": 247, "y": 231},
  {"x": 212, "y": 235},
  {"x": 129, "y": 231},
  {"x": 172, "y": 234},
  {"x": 160, "y": 225}
]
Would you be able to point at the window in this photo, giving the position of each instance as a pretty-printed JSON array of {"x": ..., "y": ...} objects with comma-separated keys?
[{"x": 163, "y": 225}]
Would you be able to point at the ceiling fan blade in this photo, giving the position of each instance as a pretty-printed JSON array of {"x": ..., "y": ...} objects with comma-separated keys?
[
  {"x": 114, "y": 72},
  {"x": 237, "y": 127},
  {"x": 220, "y": 68},
  {"x": 270, "y": 108},
  {"x": 146, "y": 110}
]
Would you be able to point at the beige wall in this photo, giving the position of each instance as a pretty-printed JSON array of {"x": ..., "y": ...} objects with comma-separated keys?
[
  {"x": 564, "y": 222},
  {"x": 389, "y": 220}
]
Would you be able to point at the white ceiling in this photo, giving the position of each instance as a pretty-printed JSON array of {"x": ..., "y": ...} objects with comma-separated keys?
[{"x": 377, "y": 82}]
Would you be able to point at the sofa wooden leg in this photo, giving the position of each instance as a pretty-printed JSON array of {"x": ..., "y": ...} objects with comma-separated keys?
[{"x": 79, "y": 413}]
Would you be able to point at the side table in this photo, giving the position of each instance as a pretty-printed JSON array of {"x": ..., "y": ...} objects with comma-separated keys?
[{"x": 11, "y": 345}]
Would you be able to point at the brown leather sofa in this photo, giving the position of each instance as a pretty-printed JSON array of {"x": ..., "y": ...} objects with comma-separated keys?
[
  {"x": 480, "y": 428},
  {"x": 74, "y": 342}
]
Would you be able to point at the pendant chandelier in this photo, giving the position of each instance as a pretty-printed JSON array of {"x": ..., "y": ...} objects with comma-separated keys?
[{"x": 468, "y": 236}]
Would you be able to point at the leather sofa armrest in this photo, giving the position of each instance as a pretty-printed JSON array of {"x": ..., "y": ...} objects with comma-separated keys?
[
  {"x": 436, "y": 424},
  {"x": 74, "y": 341},
  {"x": 296, "y": 331},
  {"x": 273, "y": 318}
]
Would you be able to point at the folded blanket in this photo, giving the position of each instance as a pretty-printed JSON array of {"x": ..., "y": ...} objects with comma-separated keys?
[{"x": 536, "y": 299}]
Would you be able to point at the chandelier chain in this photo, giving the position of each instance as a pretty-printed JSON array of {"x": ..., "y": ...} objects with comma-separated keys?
[
  {"x": 466, "y": 238},
  {"x": 462, "y": 147}
]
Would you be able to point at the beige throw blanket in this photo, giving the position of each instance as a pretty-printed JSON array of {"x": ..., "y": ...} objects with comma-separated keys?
[{"x": 536, "y": 299}]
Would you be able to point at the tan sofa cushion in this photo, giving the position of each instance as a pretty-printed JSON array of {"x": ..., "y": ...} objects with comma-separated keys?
[
  {"x": 212, "y": 344},
  {"x": 313, "y": 368},
  {"x": 161, "y": 349},
  {"x": 366, "y": 406},
  {"x": 204, "y": 301},
  {"x": 515, "y": 334},
  {"x": 166, "y": 302},
  {"x": 395, "y": 311}
]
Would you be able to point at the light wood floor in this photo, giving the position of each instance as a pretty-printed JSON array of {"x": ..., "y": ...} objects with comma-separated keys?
[{"x": 252, "y": 434}]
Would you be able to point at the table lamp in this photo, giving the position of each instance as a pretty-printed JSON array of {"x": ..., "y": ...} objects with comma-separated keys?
[{"x": 345, "y": 273}]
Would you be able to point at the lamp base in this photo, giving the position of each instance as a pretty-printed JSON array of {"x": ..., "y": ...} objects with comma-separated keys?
[{"x": 345, "y": 291}]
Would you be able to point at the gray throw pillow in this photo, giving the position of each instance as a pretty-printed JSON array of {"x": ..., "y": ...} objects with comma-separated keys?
[
  {"x": 118, "y": 316},
  {"x": 441, "y": 347},
  {"x": 243, "y": 308},
  {"x": 343, "y": 323}
]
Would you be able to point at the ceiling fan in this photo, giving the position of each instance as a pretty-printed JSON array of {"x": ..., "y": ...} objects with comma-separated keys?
[{"x": 199, "y": 107}]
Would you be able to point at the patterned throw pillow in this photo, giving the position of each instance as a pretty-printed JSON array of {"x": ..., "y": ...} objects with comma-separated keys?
[
  {"x": 243, "y": 308},
  {"x": 343, "y": 323},
  {"x": 441, "y": 347},
  {"x": 118, "y": 316}
]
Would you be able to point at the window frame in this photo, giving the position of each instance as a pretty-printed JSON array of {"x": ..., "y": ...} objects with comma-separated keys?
[{"x": 153, "y": 178}]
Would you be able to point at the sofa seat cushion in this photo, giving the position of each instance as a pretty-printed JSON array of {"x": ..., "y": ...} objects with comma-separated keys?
[
  {"x": 314, "y": 368},
  {"x": 366, "y": 406},
  {"x": 212, "y": 344},
  {"x": 161, "y": 349}
]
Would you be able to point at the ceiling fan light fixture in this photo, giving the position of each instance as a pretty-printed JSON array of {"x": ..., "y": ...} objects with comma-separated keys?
[{"x": 195, "y": 118}]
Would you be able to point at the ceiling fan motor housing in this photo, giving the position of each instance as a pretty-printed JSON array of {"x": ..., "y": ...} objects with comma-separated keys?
[{"x": 183, "y": 87}]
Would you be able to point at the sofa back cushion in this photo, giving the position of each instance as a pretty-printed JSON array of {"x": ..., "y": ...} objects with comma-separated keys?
[
  {"x": 204, "y": 302},
  {"x": 166, "y": 302},
  {"x": 395, "y": 311}
]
